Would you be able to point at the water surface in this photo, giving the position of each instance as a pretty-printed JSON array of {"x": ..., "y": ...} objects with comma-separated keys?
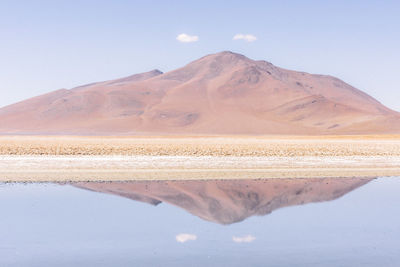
[{"x": 272, "y": 222}]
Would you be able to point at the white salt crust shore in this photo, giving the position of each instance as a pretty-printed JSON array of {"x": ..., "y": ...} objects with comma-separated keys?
[{"x": 37, "y": 168}]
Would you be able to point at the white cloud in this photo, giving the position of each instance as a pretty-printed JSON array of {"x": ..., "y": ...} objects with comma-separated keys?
[
  {"x": 243, "y": 239},
  {"x": 185, "y": 38},
  {"x": 245, "y": 37},
  {"x": 182, "y": 238}
]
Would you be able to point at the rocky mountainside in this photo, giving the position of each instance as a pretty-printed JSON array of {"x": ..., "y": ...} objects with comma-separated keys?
[{"x": 223, "y": 93}]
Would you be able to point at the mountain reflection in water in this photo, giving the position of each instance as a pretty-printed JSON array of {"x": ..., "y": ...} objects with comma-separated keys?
[{"x": 230, "y": 201}]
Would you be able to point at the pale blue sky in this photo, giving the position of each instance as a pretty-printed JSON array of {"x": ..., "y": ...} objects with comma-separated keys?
[{"x": 47, "y": 45}]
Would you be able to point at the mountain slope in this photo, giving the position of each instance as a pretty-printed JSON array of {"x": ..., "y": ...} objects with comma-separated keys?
[{"x": 224, "y": 93}]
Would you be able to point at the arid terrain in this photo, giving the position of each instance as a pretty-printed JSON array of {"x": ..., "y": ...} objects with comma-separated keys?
[
  {"x": 284, "y": 146},
  {"x": 219, "y": 94},
  {"x": 223, "y": 116},
  {"x": 30, "y": 158}
]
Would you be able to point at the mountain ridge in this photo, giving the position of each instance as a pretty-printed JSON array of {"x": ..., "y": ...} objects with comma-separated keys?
[{"x": 222, "y": 93}]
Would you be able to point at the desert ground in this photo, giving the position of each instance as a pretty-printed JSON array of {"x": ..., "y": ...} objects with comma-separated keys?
[
  {"x": 219, "y": 94},
  {"x": 62, "y": 158}
]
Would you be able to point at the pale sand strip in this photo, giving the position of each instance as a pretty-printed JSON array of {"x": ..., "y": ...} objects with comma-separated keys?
[
  {"x": 27, "y": 158},
  {"x": 16, "y": 163},
  {"x": 109, "y": 168}
]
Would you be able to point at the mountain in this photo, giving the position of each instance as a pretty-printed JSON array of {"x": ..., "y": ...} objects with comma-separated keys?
[
  {"x": 223, "y": 93},
  {"x": 230, "y": 201}
]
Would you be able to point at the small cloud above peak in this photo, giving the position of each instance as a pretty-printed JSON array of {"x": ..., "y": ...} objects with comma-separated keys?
[
  {"x": 186, "y": 38},
  {"x": 245, "y": 37}
]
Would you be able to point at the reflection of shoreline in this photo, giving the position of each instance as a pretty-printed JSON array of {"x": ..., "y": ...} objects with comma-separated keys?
[{"x": 230, "y": 201}]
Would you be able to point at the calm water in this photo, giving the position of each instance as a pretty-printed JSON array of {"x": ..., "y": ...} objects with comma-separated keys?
[{"x": 290, "y": 222}]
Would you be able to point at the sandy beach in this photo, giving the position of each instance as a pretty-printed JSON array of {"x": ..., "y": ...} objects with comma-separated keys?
[{"x": 41, "y": 158}]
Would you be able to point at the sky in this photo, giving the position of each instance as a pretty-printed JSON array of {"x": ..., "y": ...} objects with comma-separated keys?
[{"x": 48, "y": 45}]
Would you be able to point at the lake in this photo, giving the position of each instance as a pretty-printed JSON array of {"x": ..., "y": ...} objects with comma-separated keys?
[{"x": 267, "y": 222}]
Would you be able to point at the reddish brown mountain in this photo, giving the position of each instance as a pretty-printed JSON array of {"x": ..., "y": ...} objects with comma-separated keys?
[
  {"x": 227, "y": 202},
  {"x": 224, "y": 93}
]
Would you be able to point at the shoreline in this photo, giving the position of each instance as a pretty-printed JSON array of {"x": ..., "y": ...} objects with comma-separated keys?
[
  {"x": 67, "y": 158},
  {"x": 135, "y": 168}
]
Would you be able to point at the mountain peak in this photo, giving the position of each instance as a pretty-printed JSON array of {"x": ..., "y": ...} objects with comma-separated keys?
[
  {"x": 226, "y": 56},
  {"x": 229, "y": 53},
  {"x": 221, "y": 93}
]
